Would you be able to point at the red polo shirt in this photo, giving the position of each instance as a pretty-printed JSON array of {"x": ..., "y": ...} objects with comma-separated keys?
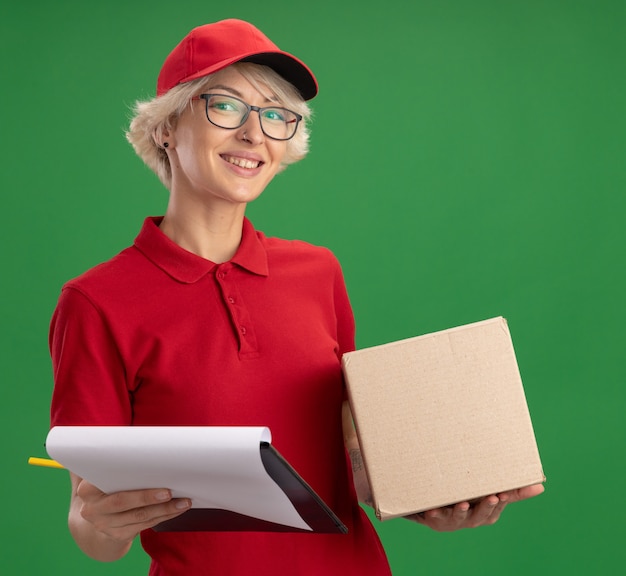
[{"x": 160, "y": 336}]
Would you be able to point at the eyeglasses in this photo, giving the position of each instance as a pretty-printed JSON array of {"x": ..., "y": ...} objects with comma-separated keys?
[{"x": 230, "y": 113}]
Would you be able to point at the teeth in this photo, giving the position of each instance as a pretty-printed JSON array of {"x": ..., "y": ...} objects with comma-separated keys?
[{"x": 242, "y": 162}]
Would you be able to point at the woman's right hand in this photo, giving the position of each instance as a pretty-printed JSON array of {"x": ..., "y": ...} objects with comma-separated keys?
[{"x": 105, "y": 525}]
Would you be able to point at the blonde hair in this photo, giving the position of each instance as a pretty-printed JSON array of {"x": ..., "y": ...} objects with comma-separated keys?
[{"x": 154, "y": 117}]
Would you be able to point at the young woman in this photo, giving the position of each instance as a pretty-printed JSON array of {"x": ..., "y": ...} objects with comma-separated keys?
[{"x": 205, "y": 321}]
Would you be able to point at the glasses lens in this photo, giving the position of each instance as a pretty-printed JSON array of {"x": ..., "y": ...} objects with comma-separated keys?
[
  {"x": 278, "y": 123},
  {"x": 225, "y": 111}
]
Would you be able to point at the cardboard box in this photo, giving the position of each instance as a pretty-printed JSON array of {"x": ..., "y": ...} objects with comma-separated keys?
[{"x": 442, "y": 418}]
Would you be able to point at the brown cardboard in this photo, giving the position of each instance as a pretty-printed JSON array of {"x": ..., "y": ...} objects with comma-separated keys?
[{"x": 442, "y": 418}]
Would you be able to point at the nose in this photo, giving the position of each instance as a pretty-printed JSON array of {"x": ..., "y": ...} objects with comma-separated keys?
[{"x": 250, "y": 130}]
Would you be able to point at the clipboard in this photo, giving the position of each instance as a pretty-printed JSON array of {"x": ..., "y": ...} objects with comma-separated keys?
[
  {"x": 236, "y": 479},
  {"x": 309, "y": 505}
]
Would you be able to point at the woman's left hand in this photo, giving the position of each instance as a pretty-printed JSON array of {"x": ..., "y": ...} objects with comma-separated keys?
[{"x": 484, "y": 513}]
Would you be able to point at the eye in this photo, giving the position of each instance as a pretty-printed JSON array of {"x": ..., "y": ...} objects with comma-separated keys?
[
  {"x": 274, "y": 115},
  {"x": 224, "y": 105}
]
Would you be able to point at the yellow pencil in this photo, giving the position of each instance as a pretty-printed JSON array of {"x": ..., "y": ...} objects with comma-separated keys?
[{"x": 45, "y": 462}]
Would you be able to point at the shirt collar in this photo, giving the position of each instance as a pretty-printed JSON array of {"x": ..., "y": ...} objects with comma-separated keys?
[{"x": 188, "y": 267}]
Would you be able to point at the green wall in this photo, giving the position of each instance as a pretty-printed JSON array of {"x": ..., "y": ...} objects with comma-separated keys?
[{"x": 468, "y": 161}]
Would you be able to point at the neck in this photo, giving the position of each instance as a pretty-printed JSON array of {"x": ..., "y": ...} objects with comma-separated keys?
[{"x": 208, "y": 232}]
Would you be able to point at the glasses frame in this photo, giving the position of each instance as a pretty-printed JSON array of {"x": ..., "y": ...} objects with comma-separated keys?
[{"x": 249, "y": 108}]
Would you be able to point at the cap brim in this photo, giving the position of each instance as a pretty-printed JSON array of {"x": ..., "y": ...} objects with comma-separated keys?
[{"x": 288, "y": 66}]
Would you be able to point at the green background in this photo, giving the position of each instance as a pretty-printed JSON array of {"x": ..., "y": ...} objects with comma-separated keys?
[{"x": 468, "y": 161}]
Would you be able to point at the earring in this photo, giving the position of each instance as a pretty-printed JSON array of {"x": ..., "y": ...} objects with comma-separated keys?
[{"x": 165, "y": 144}]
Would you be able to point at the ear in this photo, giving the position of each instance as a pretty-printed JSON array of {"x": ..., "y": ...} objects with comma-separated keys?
[{"x": 164, "y": 138}]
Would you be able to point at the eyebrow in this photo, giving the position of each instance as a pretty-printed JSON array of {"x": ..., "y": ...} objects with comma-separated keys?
[{"x": 237, "y": 93}]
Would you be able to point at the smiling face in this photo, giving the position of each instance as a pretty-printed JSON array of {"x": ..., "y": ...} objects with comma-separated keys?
[{"x": 221, "y": 166}]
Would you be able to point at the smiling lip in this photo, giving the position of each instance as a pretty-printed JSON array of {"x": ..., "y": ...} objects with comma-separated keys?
[{"x": 247, "y": 162}]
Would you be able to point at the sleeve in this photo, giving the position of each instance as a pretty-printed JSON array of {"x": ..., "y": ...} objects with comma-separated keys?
[
  {"x": 344, "y": 314},
  {"x": 89, "y": 377}
]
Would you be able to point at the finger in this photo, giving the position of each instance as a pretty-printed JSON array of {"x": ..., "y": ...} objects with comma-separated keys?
[
  {"x": 148, "y": 516},
  {"x": 124, "y": 501},
  {"x": 497, "y": 511},
  {"x": 180, "y": 506},
  {"x": 433, "y": 519},
  {"x": 522, "y": 493},
  {"x": 87, "y": 491},
  {"x": 436, "y": 514},
  {"x": 126, "y": 508},
  {"x": 127, "y": 524},
  {"x": 460, "y": 512},
  {"x": 418, "y": 517},
  {"x": 483, "y": 511}
]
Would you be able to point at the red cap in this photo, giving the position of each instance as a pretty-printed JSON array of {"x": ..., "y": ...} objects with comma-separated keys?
[{"x": 209, "y": 48}]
